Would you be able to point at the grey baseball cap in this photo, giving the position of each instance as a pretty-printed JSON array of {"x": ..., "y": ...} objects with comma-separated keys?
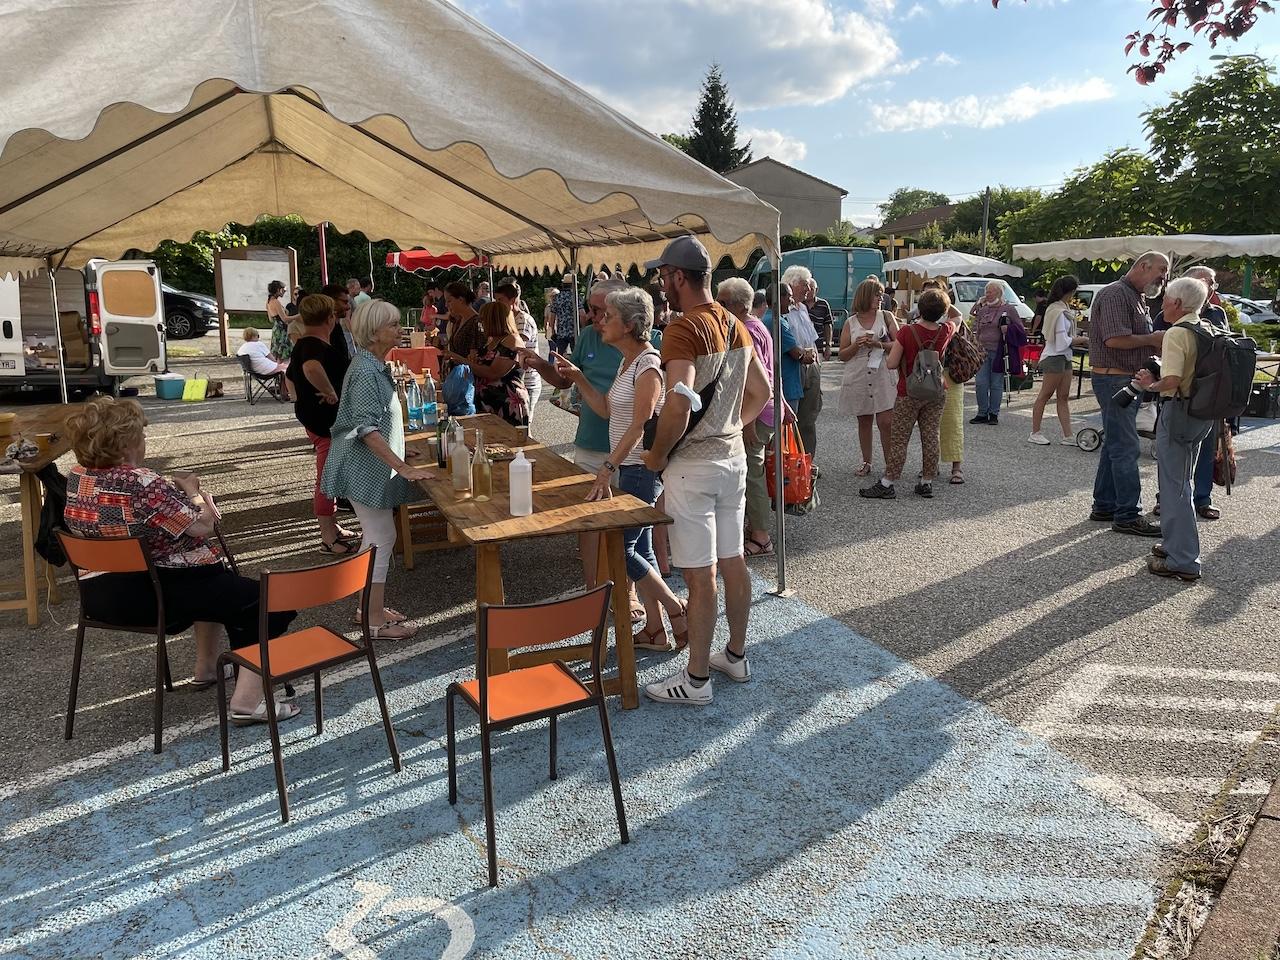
[{"x": 686, "y": 253}]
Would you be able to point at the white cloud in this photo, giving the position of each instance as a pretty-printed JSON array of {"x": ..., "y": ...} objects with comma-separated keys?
[
  {"x": 916, "y": 10},
  {"x": 880, "y": 9},
  {"x": 1020, "y": 104},
  {"x": 945, "y": 59},
  {"x": 649, "y": 61},
  {"x": 774, "y": 143}
]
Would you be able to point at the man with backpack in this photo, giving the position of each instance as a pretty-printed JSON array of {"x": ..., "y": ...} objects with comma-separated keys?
[
  {"x": 917, "y": 355},
  {"x": 1207, "y": 375}
]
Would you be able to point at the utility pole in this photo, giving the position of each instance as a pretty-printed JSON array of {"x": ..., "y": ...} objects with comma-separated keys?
[{"x": 986, "y": 215}]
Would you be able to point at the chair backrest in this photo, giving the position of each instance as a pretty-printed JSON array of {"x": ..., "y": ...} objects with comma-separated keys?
[
  {"x": 246, "y": 364},
  {"x": 539, "y": 624},
  {"x": 106, "y": 554},
  {"x": 316, "y": 586}
]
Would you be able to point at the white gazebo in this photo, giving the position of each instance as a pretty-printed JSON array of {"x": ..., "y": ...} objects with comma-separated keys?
[{"x": 953, "y": 263}]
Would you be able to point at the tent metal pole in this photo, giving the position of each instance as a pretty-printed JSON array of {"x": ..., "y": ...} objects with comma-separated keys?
[
  {"x": 779, "y": 502},
  {"x": 57, "y": 326},
  {"x": 324, "y": 253}
]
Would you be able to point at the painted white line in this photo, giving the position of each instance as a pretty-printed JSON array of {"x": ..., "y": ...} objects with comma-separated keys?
[
  {"x": 1164, "y": 823},
  {"x": 1192, "y": 785},
  {"x": 1220, "y": 704}
]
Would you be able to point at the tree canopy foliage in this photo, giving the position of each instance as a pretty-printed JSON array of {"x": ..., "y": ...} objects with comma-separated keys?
[
  {"x": 908, "y": 200},
  {"x": 713, "y": 134}
]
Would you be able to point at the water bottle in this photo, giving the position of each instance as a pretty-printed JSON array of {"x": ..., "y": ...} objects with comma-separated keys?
[
  {"x": 461, "y": 466},
  {"x": 414, "y": 398},
  {"x": 521, "y": 485},
  {"x": 481, "y": 472},
  {"x": 428, "y": 400}
]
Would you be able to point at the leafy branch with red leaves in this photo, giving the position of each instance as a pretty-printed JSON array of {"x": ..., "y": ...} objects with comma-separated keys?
[{"x": 1215, "y": 19}]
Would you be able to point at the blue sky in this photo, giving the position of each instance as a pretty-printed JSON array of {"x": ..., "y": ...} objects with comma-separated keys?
[{"x": 875, "y": 94}]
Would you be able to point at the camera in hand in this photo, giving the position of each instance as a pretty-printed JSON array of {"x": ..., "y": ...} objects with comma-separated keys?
[{"x": 1131, "y": 391}]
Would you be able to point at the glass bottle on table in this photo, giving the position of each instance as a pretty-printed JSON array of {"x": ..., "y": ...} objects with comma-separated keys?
[
  {"x": 461, "y": 471},
  {"x": 481, "y": 471}
]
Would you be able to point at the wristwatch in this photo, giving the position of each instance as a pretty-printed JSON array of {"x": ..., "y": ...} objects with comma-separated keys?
[{"x": 610, "y": 467}]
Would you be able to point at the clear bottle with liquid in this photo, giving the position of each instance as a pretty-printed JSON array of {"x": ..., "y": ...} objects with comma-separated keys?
[
  {"x": 461, "y": 470},
  {"x": 481, "y": 471},
  {"x": 413, "y": 398},
  {"x": 427, "y": 402}
]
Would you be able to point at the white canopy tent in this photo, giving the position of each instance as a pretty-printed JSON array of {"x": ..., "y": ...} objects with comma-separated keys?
[
  {"x": 1185, "y": 247},
  {"x": 952, "y": 263},
  {"x": 143, "y": 120}
]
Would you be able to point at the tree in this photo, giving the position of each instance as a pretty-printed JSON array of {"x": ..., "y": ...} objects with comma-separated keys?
[
  {"x": 908, "y": 200},
  {"x": 968, "y": 214},
  {"x": 1216, "y": 19},
  {"x": 1221, "y": 175},
  {"x": 189, "y": 266},
  {"x": 1119, "y": 195},
  {"x": 677, "y": 140},
  {"x": 713, "y": 137}
]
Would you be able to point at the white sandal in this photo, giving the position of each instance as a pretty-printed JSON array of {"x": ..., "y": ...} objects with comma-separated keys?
[
  {"x": 380, "y": 631},
  {"x": 284, "y": 711}
]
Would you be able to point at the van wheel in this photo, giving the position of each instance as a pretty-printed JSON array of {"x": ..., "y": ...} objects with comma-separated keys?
[{"x": 179, "y": 325}]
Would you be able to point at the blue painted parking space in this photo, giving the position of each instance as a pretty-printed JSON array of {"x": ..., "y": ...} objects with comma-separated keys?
[{"x": 840, "y": 804}]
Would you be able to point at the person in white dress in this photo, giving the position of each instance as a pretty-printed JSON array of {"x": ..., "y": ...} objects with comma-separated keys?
[{"x": 868, "y": 387}]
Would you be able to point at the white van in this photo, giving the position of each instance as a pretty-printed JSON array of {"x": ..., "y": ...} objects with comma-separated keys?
[
  {"x": 966, "y": 291},
  {"x": 110, "y": 324}
]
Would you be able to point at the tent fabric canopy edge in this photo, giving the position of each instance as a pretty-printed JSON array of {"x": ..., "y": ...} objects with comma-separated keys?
[{"x": 1181, "y": 245}]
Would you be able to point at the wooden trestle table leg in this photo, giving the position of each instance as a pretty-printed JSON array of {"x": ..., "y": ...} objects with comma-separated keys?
[
  {"x": 613, "y": 559},
  {"x": 489, "y": 590}
]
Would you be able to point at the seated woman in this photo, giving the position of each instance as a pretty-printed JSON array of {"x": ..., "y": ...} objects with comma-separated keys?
[
  {"x": 264, "y": 365},
  {"x": 635, "y": 396},
  {"x": 500, "y": 386},
  {"x": 110, "y": 494},
  {"x": 366, "y": 453}
]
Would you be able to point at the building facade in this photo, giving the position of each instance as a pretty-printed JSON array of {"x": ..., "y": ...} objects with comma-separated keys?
[{"x": 802, "y": 199}]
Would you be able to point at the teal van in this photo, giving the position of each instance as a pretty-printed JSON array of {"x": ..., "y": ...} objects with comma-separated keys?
[{"x": 838, "y": 271}]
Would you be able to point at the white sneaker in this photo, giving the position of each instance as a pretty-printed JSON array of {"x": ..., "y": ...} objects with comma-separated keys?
[
  {"x": 740, "y": 671},
  {"x": 677, "y": 689},
  {"x": 1039, "y": 438},
  {"x": 1069, "y": 442}
]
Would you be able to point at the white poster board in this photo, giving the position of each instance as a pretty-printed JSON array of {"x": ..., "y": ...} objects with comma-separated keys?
[
  {"x": 11, "y": 360},
  {"x": 245, "y": 282}
]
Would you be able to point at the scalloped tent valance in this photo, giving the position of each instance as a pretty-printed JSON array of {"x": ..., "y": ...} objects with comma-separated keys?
[{"x": 332, "y": 112}]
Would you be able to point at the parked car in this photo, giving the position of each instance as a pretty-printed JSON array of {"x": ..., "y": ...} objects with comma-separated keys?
[
  {"x": 109, "y": 326},
  {"x": 967, "y": 291},
  {"x": 188, "y": 314},
  {"x": 1250, "y": 310}
]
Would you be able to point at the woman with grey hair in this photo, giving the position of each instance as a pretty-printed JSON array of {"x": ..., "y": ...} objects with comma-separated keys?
[
  {"x": 635, "y": 396},
  {"x": 366, "y": 462}
]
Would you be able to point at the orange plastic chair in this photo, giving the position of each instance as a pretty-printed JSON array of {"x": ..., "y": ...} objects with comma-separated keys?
[
  {"x": 506, "y": 700},
  {"x": 310, "y": 650},
  {"x": 117, "y": 555}
]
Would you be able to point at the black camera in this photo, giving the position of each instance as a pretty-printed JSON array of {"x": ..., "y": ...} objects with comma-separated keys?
[{"x": 1131, "y": 391}]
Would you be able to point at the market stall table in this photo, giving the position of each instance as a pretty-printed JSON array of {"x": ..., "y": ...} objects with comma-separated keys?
[
  {"x": 559, "y": 507},
  {"x": 47, "y": 418}
]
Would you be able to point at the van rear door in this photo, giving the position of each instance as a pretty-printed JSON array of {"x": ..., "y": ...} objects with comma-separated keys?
[
  {"x": 11, "y": 361},
  {"x": 130, "y": 313}
]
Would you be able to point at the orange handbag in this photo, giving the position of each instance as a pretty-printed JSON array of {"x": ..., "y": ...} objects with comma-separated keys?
[{"x": 797, "y": 469}]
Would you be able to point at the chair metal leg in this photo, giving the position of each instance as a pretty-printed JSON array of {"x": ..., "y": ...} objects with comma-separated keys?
[
  {"x": 382, "y": 705},
  {"x": 162, "y": 669},
  {"x": 553, "y": 746},
  {"x": 452, "y": 742},
  {"x": 75, "y": 682},
  {"x": 613, "y": 770},
  {"x": 168, "y": 677},
  {"x": 319, "y": 705},
  {"x": 486, "y": 766},
  {"x": 222, "y": 714},
  {"x": 274, "y": 724}
]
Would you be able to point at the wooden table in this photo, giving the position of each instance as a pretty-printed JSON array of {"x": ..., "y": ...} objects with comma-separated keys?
[
  {"x": 559, "y": 507},
  {"x": 47, "y": 418}
]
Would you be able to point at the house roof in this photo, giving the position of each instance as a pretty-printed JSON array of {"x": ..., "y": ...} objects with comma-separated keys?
[
  {"x": 786, "y": 166},
  {"x": 919, "y": 220}
]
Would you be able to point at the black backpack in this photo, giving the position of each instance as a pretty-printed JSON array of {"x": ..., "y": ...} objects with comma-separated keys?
[{"x": 1223, "y": 379}]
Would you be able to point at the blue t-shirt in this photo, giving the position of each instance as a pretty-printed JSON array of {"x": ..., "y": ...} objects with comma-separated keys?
[
  {"x": 792, "y": 382},
  {"x": 600, "y": 363}
]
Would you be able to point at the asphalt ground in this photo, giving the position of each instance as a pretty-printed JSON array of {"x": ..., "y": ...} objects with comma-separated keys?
[{"x": 978, "y": 729}]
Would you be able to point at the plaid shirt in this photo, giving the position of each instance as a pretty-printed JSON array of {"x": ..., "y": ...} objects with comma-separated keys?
[{"x": 1118, "y": 310}]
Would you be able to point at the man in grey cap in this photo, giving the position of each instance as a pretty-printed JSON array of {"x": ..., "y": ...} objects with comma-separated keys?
[{"x": 710, "y": 362}]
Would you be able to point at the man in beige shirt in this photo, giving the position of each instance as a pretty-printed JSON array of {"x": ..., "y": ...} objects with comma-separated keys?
[{"x": 1178, "y": 434}]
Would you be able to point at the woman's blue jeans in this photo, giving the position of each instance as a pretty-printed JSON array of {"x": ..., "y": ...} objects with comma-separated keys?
[
  {"x": 989, "y": 386},
  {"x": 643, "y": 484}
]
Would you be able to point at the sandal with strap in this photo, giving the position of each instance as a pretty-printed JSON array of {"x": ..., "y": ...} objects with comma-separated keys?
[
  {"x": 754, "y": 548},
  {"x": 646, "y": 640},
  {"x": 392, "y": 631},
  {"x": 284, "y": 711},
  {"x": 339, "y": 548},
  {"x": 864, "y": 470},
  {"x": 388, "y": 616},
  {"x": 681, "y": 636},
  {"x": 956, "y": 477}
]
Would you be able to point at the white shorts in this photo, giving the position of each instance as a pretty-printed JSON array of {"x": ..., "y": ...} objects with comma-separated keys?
[
  {"x": 589, "y": 460},
  {"x": 706, "y": 499}
]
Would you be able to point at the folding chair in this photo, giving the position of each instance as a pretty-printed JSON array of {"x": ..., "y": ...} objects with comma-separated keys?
[
  {"x": 548, "y": 689},
  {"x": 118, "y": 555},
  {"x": 310, "y": 650},
  {"x": 256, "y": 384}
]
